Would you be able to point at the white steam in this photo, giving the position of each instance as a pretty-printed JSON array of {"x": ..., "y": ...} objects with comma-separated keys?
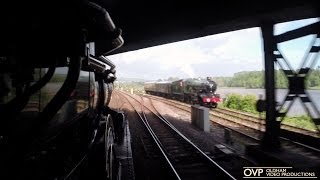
[{"x": 186, "y": 68}]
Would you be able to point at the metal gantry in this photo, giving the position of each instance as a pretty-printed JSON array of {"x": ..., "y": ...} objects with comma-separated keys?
[{"x": 296, "y": 78}]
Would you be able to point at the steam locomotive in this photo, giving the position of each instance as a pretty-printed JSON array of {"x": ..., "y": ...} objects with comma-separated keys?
[
  {"x": 55, "y": 120},
  {"x": 190, "y": 90}
]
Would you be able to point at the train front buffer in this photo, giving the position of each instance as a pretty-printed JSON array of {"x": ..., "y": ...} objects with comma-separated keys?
[{"x": 211, "y": 102}]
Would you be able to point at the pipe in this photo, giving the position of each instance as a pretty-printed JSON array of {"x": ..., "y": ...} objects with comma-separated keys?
[
  {"x": 63, "y": 94},
  {"x": 19, "y": 102},
  {"x": 107, "y": 37},
  {"x": 108, "y": 62}
]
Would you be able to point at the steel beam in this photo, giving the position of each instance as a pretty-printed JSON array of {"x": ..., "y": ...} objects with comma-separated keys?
[
  {"x": 297, "y": 33},
  {"x": 270, "y": 140}
]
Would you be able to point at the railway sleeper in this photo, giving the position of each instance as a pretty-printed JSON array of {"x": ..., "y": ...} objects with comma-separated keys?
[
  {"x": 187, "y": 160},
  {"x": 191, "y": 165},
  {"x": 301, "y": 150},
  {"x": 195, "y": 170},
  {"x": 151, "y": 151},
  {"x": 175, "y": 151},
  {"x": 169, "y": 140},
  {"x": 171, "y": 144},
  {"x": 172, "y": 148},
  {"x": 179, "y": 155},
  {"x": 196, "y": 174},
  {"x": 223, "y": 149}
]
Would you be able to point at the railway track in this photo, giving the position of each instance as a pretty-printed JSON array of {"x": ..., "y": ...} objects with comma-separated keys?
[
  {"x": 258, "y": 122},
  {"x": 220, "y": 121},
  {"x": 244, "y": 119},
  {"x": 186, "y": 160},
  {"x": 242, "y": 136},
  {"x": 119, "y": 103},
  {"x": 254, "y": 133},
  {"x": 151, "y": 146}
]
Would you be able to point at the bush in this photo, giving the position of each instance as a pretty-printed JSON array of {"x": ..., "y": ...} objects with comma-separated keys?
[
  {"x": 233, "y": 101},
  {"x": 245, "y": 103},
  {"x": 248, "y": 103}
]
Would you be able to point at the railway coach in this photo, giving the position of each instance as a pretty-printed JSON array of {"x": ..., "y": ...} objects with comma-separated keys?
[{"x": 162, "y": 88}]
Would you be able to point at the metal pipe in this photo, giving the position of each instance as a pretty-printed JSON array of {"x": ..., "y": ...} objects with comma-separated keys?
[
  {"x": 63, "y": 94},
  {"x": 13, "y": 107},
  {"x": 108, "y": 62},
  {"x": 110, "y": 37},
  {"x": 97, "y": 65}
]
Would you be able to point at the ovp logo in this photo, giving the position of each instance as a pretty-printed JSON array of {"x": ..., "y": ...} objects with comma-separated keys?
[{"x": 252, "y": 172}]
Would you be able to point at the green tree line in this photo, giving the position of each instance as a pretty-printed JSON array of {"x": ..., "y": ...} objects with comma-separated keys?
[{"x": 255, "y": 79}]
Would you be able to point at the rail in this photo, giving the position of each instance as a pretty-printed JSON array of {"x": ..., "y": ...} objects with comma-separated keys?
[
  {"x": 194, "y": 155},
  {"x": 242, "y": 132},
  {"x": 155, "y": 139}
]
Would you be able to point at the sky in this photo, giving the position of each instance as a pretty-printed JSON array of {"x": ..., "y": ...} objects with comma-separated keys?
[{"x": 216, "y": 55}]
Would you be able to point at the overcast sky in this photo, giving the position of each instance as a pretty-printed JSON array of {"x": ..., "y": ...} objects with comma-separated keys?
[{"x": 216, "y": 55}]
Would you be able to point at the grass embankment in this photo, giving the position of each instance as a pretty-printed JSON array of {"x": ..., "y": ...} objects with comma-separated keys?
[
  {"x": 315, "y": 88},
  {"x": 247, "y": 103}
]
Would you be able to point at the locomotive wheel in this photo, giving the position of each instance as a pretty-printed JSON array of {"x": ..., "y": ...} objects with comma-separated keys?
[
  {"x": 109, "y": 139},
  {"x": 114, "y": 172},
  {"x": 109, "y": 134}
]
